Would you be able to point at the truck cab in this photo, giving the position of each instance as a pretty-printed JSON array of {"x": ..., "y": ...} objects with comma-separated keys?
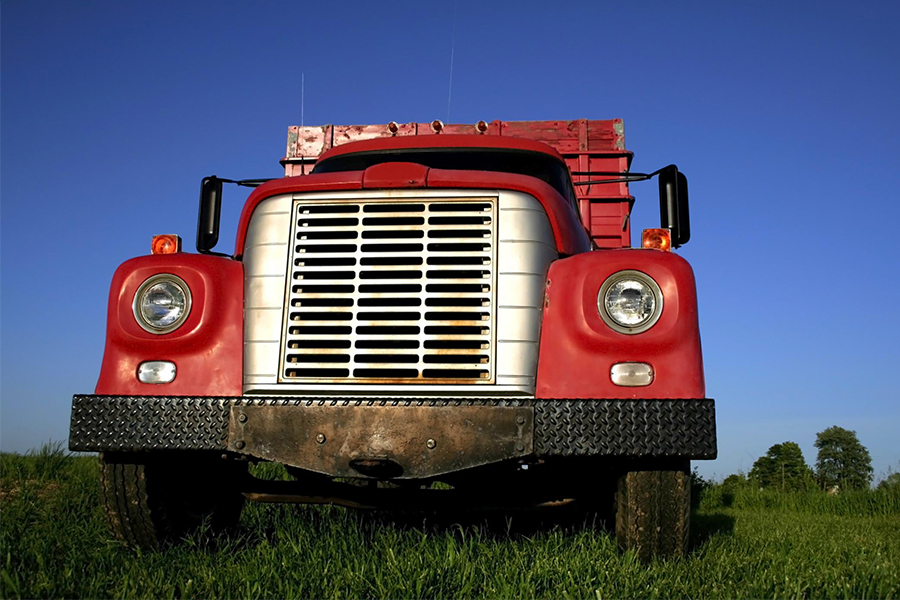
[{"x": 452, "y": 315}]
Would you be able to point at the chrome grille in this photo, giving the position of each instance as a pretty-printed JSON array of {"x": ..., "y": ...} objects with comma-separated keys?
[{"x": 387, "y": 291}]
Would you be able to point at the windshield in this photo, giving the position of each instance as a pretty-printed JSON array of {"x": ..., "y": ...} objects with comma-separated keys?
[{"x": 521, "y": 162}]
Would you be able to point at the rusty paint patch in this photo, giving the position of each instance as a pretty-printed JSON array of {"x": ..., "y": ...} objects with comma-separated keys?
[
  {"x": 619, "y": 128},
  {"x": 293, "y": 137}
]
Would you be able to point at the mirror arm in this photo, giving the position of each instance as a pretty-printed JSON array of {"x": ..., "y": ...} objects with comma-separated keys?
[{"x": 211, "y": 211}]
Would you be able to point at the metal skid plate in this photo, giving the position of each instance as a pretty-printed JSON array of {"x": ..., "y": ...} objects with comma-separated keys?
[{"x": 416, "y": 441}]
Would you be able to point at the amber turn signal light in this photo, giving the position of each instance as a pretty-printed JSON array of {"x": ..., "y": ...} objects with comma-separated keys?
[
  {"x": 657, "y": 239},
  {"x": 165, "y": 244}
]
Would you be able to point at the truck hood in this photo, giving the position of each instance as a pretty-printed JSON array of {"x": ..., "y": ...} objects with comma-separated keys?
[{"x": 569, "y": 234}]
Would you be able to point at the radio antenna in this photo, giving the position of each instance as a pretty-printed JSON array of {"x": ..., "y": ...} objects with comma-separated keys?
[
  {"x": 452, "y": 46},
  {"x": 302, "y": 95}
]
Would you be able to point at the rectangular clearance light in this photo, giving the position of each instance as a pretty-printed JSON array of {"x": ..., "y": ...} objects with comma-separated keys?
[
  {"x": 156, "y": 371},
  {"x": 631, "y": 374}
]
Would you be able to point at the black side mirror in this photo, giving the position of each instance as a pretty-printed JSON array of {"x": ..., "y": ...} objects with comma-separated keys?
[
  {"x": 673, "y": 205},
  {"x": 210, "y": 210}
]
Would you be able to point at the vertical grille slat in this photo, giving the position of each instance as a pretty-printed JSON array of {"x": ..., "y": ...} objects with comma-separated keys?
[{"x": 388, "y": 291}]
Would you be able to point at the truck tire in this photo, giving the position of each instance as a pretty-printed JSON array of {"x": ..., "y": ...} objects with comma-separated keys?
[
  {"x": 150, "y": 501},
  {"x": 653, "y": 512}
]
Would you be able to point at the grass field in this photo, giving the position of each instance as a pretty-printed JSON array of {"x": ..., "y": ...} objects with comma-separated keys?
[{"x": 54, "y": 543}]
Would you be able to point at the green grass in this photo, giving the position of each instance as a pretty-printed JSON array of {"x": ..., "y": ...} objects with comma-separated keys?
[
  {"x": 853, "y": 503},
  {"x": 54, "y": 543}
]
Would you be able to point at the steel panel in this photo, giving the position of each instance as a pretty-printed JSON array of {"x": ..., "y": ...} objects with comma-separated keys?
[
  {"x": 521, "y": 289},
  {"x": 515, "y": 358},
  {"x": 521, "y": 325},
  {"x": 526, "y": 256},
  {"x": 265, "y": 261}
]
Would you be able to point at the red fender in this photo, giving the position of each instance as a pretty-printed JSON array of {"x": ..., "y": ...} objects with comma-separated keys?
[
  {"x": 578, "y": 349},
  {"x": 207, "y": 349}
]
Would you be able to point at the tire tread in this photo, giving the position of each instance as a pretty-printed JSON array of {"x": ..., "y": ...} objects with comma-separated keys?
[
  {"x": 653, "y": 513},
  {"x": 142, "y": 500}
]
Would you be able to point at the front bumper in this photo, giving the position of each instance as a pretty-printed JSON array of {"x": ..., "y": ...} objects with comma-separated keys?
[{"x": 431, "y": 436}]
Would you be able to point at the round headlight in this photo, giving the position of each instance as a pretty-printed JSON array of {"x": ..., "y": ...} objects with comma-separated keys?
[
  {"x": 630, "y": 302},
  {"x": 162, "y": 303}
]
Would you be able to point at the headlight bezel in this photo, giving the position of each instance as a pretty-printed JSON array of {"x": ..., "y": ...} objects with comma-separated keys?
[
  {"x": 641, "y": 277},
  {"x": 142, "y": 290}
]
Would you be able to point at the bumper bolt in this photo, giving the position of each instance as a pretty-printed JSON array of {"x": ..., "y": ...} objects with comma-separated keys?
[
  {"x": 520, "y": 420},
  {"x": 520, "y": 447},
  {"x": 431, "y": 444},
  {"x": 242, "y": 418},
  {"x": 239, "y": 445},
  {"x": 320, "y": 438}
]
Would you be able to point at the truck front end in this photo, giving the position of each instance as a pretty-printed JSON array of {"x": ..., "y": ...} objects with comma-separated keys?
[{"x": 412, "y": 304}]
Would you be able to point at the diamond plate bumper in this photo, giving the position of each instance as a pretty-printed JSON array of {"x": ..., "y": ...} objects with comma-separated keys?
[{"x": 576, "y": 427}]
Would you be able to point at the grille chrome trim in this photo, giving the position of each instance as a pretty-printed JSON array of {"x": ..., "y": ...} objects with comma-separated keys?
[{"x": 391, "y": 291}]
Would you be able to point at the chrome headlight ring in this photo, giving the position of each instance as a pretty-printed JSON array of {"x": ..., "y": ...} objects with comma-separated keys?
[
  {"x": 630, "y": 302},
  {"x": 162, "y": 303}
]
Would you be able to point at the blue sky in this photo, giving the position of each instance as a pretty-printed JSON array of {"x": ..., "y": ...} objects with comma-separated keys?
[{"x": 783, "y": 116}]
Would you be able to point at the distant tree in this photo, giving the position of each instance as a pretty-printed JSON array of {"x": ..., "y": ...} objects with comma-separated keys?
[
  {"x": 842, "y": 461},
  {"x": 732, "y": 486},
  {"x": 699, "y": 485},
  {"x": 735, "y": 482},
  {"x": 782, "y": 468},
  {"x": 891, "y": 482}
]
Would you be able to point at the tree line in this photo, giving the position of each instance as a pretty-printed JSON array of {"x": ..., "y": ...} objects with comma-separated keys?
[{"x": 842, "y": 464}]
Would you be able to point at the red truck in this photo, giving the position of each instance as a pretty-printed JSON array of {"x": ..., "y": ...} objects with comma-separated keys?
[{"x": 417, "y": 316}]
